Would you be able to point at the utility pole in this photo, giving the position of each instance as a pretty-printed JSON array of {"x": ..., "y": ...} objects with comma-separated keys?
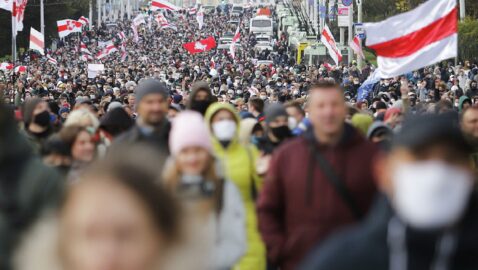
[
  {"x": 359, "y": 20},
  {"x": 128, "y": 8},
  {"x": 42, "y": 19},
  {"x": 98, "y": 6},
  {"x": 350, "y": 37},
  {"x": 90, "y": 14},
  {"x": 462, "y": 10}
]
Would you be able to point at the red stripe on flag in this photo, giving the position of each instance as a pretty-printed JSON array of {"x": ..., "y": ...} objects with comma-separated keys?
[
  {"x": 62, "y": 27},
  {"x": 161, "y": 5},
  {"x": 413, "y": 42},
  {"x": 36, "y": 41}
]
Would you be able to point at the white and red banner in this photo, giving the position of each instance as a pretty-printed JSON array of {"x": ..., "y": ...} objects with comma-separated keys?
[
  {"x": 162, "y": 4},
  {"x": 328, "y": 40},
  {"x": 84, "y": 21},
  {"x": 200, "y": 46},
  {"x": 20, "y": 69},
  {"x": 138, "y": 20},
  {"x": 37, "y": 41},
  {"x": 122, "y": 35},
  {"x": 109, "y": 49},
  {"x": 6, "y": 4},
  {"x": 356, "y": 46},
  {"x": 84, "y": 49},
  {"x": 200, "y": 18},
  {"x": 232, "y": 47},
  {"x": 51, "y": 60},
  {"x": 135, "y": 33},
  {"x": 415, "y": 39},
  {"x": 6, "y": 66},
  {"x": 18, "y": 12},
  {"x": 68, "y": 26},
  {"x": 192, "y": 10}
]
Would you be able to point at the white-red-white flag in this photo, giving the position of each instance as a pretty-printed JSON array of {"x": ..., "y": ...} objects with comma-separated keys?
[
  {"x": 356, "y": 46},
  {"x": 135, "y": 33},
  {"x": 18, "y": 13},
  {"x": 138, "y": 20},
  {"x": 200, "y": 18},
  {"x": 6, "y": 66},
  {"x": 21, "y": 69},
  {"x": 6, "y": 4},
  {"x": 232, "y": 47},
  {"x": 51, "y": 60},
  {"x": 328, "y": 40},
  {"x": 163, "y": 4},
  {"x": 415, "y": 39},
  {"x": 86, "y": 57},
  {"x": 109, "y": 49},
  {"x": 84, "y": 21},
  {"x": 193, "y": 10},
  {"x": 37, "y": 41},
  {"x": 68, "y": 26},
  {"x": 84, "y": 49}
]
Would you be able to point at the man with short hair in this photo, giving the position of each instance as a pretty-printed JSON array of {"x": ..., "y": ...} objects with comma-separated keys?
[
  {"x": 317, "y": 183},
  {"x": 256, "y": 108},
  {"x": 152, "y": 126},
  {"x": 427, "y": 218}
]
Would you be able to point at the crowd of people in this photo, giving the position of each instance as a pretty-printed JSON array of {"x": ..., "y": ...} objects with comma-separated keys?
[{"x": 170, "y": 160}]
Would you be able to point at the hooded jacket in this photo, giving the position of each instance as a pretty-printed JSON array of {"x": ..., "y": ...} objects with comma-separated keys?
[
  {"x": 239, "y": 167},
  {"x": 299, "y": 207},
  {"x": 461, "y": 101},
  {"x": 365, "y": 246}
]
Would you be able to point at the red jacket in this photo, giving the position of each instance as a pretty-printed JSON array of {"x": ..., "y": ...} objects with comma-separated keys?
[{"x": 295, "y": 216}]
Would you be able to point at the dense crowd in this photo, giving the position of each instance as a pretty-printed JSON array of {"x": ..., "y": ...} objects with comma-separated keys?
[{"x": 168, "y": 160}]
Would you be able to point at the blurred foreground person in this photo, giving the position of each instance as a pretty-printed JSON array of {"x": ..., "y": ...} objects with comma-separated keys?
[
  {"x": 118, "y": 216},
  {"x": 200, "y": 97},
  {"x": 469, "y": 126},
  {"x": 152, "y": 126},
  {"x": 239, "y": 162},
  {"x": 215, "y": 216},
  {"x": 317, "y": 183},
  {"x": 429, "y": 214},
  {"x": 28, "y": 191},
  {"x": 36, "y": 119}
]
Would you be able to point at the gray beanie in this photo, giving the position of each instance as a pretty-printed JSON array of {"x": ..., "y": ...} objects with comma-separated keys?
[
  {"x": 273, "y": 111},
  {"x": 151, "y": 86}
]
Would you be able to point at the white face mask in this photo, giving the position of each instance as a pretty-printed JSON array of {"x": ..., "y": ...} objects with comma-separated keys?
[
  {"x": 224, "y": 130},
  {"x": 431, "y": 194},
  {"x": 292, "y": 123}
]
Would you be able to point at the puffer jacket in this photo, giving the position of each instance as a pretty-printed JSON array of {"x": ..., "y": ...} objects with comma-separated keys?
[{"x": 239, "y": 166}]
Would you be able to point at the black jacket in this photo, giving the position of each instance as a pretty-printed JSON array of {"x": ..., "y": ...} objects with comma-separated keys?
[{"x": 365, "y": 246}]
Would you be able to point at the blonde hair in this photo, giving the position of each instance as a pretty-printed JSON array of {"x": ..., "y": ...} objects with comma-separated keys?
[{"x": 78, "y": 118}]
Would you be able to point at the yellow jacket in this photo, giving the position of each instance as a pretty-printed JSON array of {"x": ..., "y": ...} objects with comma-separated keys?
[{"x": 240, "y": 169}]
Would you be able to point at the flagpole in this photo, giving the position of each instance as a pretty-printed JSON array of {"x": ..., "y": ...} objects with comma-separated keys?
[
  {"x": 350, "y": 37},
  {"x": 42, "y": 18},
  {"x": 14, "y": 34},
  {"x": 359, "y": 20}
]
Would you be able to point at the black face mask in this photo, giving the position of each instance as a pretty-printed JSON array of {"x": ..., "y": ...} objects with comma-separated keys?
[
  {"x": 42, "y": 119},
  {"x": 281, "y": 133},
  {"x": 200, "y": 106}
]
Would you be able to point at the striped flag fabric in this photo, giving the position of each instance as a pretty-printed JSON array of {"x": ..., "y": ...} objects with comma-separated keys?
[
  {"x": 51, "y": 59},
  {"x": 21, "y": 69},
  {"x": 84, "y": 21},
  {"x": 415, "y": 39},
  {"x": 86, "y": 57},
  {"x": 37, "y": 41},
  {"x": 6, "y": 66},
  {"x": 68, "y": 26},
  {"x": 163, "y": 4},
  {"x": 18, "y": 13},
  {"x": 109, "y": 49},
  {"x": 192, "y": 10},
  {"x": 84, "y": 49},
  {"x": 138, "y": 20},
  {"x": 232, "y": 47},
  {"x": 328, "y": 40},
  {"x": 356, "y": 46},
  {"x": 200, "y": 18}
]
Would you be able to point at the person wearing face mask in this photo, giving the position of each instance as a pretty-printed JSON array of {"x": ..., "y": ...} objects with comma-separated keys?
[
  {"x": 239, "y": 163},
  {"x": 277, "y": 129},
  {"x": 215, "y": 215},
  {"x": 427, "y": 217},
  {"x": 473, "y": 90},
  {"x": 36, "y": 119},
  {"x": 200, "y": 98}
]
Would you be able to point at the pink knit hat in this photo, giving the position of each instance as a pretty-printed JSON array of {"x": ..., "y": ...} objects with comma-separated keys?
[{"x": 189, "y": 129}]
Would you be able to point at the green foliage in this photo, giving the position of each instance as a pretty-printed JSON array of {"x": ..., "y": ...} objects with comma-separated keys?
[{"x": 468, "y": 39}]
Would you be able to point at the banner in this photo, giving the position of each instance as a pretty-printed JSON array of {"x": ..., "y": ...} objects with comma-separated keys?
[{"x": 95, "y": 69}]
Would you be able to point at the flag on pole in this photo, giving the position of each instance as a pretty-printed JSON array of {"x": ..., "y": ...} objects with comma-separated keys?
[
  {"x": 200, "y": 17},
  {"x": 232, "y": 47},
  {"x": 109, "y": 49},
  {"x": 367, "y": 85},
  {"x": 84, "y": 21},
  {"x": 84, "y": 49},
  {"x": 37, "y": 41},
  {"x": 6, "y": 4},
  {"x": 68, "y": 26},
  {"x": 6, "y": 66},
  {"x": 135, "y": 34},
  {"x": 20, "y": 69},
  {"x": 18, "y": 12},
  {"x": 199, "y": 46},
  {"x": 86, "y": 57},
  {"x": 51, "y": 60},
  {"x": 415, "y": 39},
  {"x": 163, "y": 4},
  {"x": 356, "y": 46},
  {"x": 192, "y": 10},
  {"x": 328, "y": 40}
]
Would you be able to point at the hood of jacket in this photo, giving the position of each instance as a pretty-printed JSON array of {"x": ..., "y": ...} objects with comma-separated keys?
[
  {"x": 212, "y": 110},
  {"x": 461, "y": 101}
]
